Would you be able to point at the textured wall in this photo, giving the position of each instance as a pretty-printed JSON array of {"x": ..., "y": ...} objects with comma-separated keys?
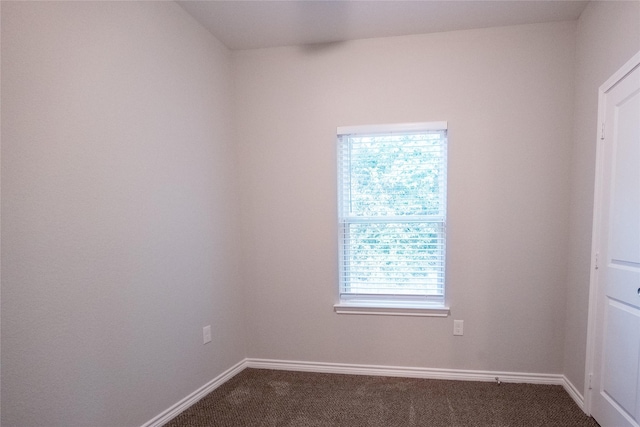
[
  {"x": 118, "y": 212},
  {"x": 507, "y": 94},
  {"x": 608, "y": 35}
]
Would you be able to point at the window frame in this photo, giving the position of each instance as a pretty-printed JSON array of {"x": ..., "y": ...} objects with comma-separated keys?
[{"x": 388, "y": 304}]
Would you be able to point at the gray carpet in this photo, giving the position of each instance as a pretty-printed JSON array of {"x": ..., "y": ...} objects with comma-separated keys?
[{"x": 257, "y": 397}]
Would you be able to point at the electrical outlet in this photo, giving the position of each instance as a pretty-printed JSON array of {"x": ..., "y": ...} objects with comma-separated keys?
[
  {"x": 206, "y": 334},
  {"x": 458, "y": 326}
]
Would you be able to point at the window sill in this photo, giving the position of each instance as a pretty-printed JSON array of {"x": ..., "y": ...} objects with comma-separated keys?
[{"x": 391, "y": 309}]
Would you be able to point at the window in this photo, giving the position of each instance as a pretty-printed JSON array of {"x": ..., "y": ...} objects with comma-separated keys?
[{"x": 392, "y": 218}]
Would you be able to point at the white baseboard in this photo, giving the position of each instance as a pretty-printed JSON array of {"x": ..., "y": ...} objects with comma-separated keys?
[
  {"x": 573, "y": 392},
  {"x": 357, "y": 369},
  {"x": 409, "y": 372},
  {"x": 167, "y": 415}
]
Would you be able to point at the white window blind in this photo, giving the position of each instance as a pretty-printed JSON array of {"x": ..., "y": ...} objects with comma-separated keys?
[{"x": 392, "y": 212}]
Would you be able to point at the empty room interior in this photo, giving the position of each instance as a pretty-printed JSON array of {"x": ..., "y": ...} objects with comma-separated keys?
[{"x": 170, "y": 169}]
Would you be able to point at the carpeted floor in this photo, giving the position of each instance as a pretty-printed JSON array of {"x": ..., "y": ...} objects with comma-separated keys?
[{"x": 298, "y": 399}]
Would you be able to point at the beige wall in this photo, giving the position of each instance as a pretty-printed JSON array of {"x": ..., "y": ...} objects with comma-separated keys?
[
  {"x": 118, "y": 212},
  {"x": 507, "y": 94},
  {"x": 608, "y": 35}
]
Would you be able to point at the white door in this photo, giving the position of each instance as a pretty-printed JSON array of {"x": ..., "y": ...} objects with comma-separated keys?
[{"x": 615, "y": 393}]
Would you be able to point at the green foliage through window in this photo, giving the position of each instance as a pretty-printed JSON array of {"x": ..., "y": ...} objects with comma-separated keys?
[{"x": 392, "y": 214}]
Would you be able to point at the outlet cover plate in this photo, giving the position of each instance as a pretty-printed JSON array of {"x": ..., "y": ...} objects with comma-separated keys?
[
  {"x": 206, "y": 334},
  {"x": 458, "y": 327}
]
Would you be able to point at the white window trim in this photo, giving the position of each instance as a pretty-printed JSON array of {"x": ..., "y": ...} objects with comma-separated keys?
[
  {"x": 400, "y": 127},
  {"x": 389, "y": 306},
  {"x": 392, "y": 309}
]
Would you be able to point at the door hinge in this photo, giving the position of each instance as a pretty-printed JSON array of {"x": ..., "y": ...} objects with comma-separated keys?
[
  {"x": 602, "y": 131},
  {"x": 596, "y": 260},
  {"x": 590, "y": 378}
]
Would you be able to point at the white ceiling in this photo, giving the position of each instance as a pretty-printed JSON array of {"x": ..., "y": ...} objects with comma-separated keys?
[{"x": 243, "y": 24}]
